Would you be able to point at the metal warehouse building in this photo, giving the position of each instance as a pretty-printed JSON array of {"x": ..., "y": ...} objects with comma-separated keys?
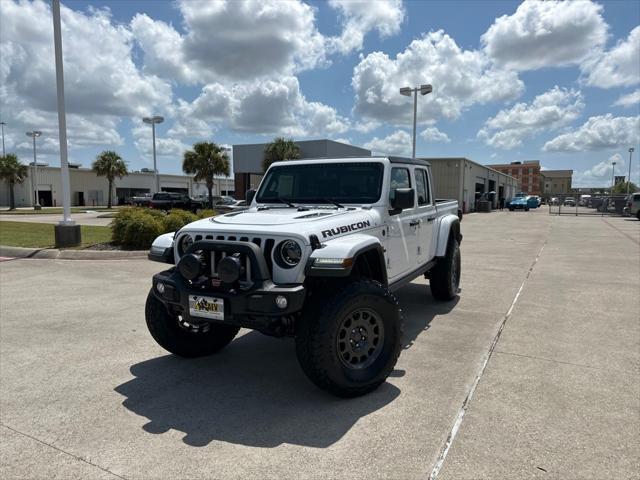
[
  {"x": 464, "y": 180},
  {"x": 87, "y": 189}
]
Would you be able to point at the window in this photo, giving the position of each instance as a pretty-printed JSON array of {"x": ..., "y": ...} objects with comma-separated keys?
[
  {"x": 422, "y": 187},
  {"x": 399, "y": 179},
  {"x": 355, "y": 182}
]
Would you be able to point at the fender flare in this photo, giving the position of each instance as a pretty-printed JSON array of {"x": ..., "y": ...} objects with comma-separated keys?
[
  {"x": 348, "y": 250},
  {"x": 450, "y": 224}
]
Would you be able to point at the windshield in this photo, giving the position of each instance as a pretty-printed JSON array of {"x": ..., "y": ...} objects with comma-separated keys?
[{"x": 323, "y": 183}]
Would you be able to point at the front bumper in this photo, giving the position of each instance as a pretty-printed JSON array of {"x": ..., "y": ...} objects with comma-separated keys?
[{"x": 246, "y": 304}]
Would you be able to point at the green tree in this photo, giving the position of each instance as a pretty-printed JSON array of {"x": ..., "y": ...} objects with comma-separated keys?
[
  {"x": 280, "y": 149},
  {"x": 622, "y": 187},
  {"x": 204, "y": 162},
  {"x": 109, "y": 164},
  {"x": 13, "y": 172}
]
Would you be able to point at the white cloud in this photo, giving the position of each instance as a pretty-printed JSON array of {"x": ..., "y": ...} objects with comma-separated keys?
[
  {"x": 432, "y": 134},
  {"x": 460, "y": 78},
  {"x": 598, "y": 133},
  {"x": 618, "y": 67},
  {"x": 551, "y": 110},
  {"x": 232, "y": 40},
  {"x": 165, "y": 146},
  {"x": 544, "y": 34},
  {"x": 102, "y": 82},
  {"x": 266, "y": 107},
  {"x": 397, "y": 143},
  {"x": 360, "y": 17},
  {"x": 366, "y": 126},
  {"x": 599, "y": 174},
  {"x": 628, "y": 100}
]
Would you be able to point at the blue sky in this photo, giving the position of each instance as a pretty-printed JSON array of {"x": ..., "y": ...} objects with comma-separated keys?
[{"x": 554, "y": 81}]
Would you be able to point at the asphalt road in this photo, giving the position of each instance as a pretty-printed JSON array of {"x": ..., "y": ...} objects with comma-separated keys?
[{"x": 85, "y": 392}]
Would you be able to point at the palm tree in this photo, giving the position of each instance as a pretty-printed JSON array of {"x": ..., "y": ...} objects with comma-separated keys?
[
  {"x": 205, "y": 161},
  {"x": 109, "y": 164},
  {"x": 280, "y": 149},
  {"x": 13, "y": 172}
]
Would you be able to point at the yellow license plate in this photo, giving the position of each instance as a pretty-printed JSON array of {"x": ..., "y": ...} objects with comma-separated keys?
[{"x": 206, "y": 307}]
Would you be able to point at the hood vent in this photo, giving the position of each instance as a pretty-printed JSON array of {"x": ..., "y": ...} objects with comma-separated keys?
[{"x": 313, "y": 215}]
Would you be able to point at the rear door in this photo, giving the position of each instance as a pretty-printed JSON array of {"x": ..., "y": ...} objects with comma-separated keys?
[
  {"x": 402, "y": 240},
  {"x": 426, "y": 213}
]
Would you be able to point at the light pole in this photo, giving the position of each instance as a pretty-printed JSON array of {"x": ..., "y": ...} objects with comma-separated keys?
[
  {"x": 34, "y": 180},
  {"x": 407, "y": 91},
  {"x": 629, "y": 177},
  {"x": 2, "y": 124},
  {"x": 153, "y": 120}
]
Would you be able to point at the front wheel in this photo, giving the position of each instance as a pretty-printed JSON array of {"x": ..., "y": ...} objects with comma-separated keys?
[
  {"x": 183, "y": 338},
  {"x": 444, "y": 278},
  {"x": 348, "y": 341},
  {"x": 526, "y": 209}
]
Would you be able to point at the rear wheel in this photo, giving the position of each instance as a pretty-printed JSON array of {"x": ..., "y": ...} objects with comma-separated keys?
[
  {"x": 526, "y": 209},
  {"x": 444, "y": 278},
  {"x": 183, "y": 338},
  {"x": 349, "y": 341},
  {"x": 638, "y": 214}
]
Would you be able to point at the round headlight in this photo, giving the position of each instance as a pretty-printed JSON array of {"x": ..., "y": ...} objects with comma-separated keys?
[
  {"x": 185, "y": 242},
  {"x": 290, "y": 253}
]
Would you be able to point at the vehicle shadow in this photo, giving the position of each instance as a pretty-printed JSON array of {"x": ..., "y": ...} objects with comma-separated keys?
[{"x": 254, "y": 393}]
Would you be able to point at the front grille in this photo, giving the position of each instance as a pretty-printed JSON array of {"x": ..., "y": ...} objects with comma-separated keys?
[{"x": 265, "y": 244}]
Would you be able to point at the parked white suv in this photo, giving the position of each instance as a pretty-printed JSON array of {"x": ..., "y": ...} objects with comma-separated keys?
[
  {"x": 632, "y": 206},
  {"x": 315, "y": 257}
]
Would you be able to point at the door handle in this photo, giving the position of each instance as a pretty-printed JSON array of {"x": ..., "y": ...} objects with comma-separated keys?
[
  {"x": 414, "y": 223},
  {"x": 431, "y": 219}
]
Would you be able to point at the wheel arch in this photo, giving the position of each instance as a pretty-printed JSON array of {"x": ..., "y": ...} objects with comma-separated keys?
[{"x": 449, "y": 227}]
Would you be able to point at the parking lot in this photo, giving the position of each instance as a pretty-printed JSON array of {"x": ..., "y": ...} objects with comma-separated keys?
[{"x": 533, "y": 372}]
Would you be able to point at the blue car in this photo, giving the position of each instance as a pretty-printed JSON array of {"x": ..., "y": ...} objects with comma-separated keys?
[
  {"x": 519, "y": 203},
  {"x": 533, "y": 201}
]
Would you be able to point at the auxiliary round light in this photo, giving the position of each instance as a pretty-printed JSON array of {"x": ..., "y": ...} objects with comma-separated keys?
[
  {"x": 186, "y": 241},
  {"x": 282, "y": 302},
  {"x": 160, "y": 287}
]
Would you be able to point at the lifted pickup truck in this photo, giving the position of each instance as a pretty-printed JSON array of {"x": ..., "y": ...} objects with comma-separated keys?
[
  {"x": 168, "y": 201},
  {"x": 315, "y": 257}
]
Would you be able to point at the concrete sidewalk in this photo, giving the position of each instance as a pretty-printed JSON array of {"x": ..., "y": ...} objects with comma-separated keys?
[
  {"x": 86, "y": 218},
  {"x": 560, "y": 397}
]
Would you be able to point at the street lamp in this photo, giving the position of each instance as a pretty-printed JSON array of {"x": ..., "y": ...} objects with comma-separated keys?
[
  {"x": 629, "y": 177},
  {"x": 3, "y": 124},
  {"x": 407, "y": 91},
  {"x": 153, "y": 120},
  {"x": 34, "y": 180},
  {"x": 613, "y": 177}
]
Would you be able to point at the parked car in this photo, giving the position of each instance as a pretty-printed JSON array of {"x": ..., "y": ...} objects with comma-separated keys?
[
  {"x": 313, "y": 259},
  {"x": 633, "y": 205},
  {"x": 169, "y": 200},
  {"x": 519, "y": 203},
  {"x": 554, "y": 201},
  {"x": 533, "y": 201},
  {"x": 569, "y": 202},
  {"x": 142, "y": 200}
]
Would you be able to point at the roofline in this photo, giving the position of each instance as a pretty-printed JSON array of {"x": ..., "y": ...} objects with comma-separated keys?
[{"x": 465, "y": 159}]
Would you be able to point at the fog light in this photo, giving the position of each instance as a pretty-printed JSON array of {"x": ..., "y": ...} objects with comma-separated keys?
[
  {"x": 160, "y": 288},
  {"x": 281, "y": 302}
]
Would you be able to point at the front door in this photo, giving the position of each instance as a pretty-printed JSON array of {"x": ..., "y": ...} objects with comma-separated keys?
[{"x": 402, "y": 238}]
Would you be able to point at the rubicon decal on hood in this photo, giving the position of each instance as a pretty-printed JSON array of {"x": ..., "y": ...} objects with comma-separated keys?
[{"x": 346, "y": 228}]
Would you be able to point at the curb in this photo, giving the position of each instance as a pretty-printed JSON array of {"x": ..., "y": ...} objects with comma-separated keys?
[{"x": 54, "y": 253}]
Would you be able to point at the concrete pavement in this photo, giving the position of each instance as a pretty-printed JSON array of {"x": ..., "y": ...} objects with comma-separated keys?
[
  {"x": 86, "y": 218},
  {"x": 87, "y": 393}
]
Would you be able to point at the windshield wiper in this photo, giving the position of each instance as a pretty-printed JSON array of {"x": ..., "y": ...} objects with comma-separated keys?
[
  {"x": 330, "y": 200},
  {"x": 287, "y": 202}
]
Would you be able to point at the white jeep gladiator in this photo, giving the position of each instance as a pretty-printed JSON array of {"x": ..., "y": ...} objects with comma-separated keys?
[{"x": 315, "y": 257}]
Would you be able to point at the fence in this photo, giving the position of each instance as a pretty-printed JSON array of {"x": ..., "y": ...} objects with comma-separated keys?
[{"x": 594, "y": 206}]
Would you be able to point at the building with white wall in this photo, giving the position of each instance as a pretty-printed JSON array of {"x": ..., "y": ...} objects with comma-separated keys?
[{"x": 88, "y": 189}]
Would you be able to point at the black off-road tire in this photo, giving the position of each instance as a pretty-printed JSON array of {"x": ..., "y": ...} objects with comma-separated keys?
[
  {"x": 526, "y": 209},
  {"x": 170, "y": 335},
  {"x": 318, "y": 337},
  {"x": 444, "y": 278}
]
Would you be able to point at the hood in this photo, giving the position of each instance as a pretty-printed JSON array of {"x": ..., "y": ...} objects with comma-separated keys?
[{"x": 323, "y": 222}]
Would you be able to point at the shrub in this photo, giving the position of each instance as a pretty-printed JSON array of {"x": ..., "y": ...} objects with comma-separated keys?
[
  {"x": 177, "y": 219},
  {"x": 136, "y": 227},
  {"x": 207, "y": 213}
]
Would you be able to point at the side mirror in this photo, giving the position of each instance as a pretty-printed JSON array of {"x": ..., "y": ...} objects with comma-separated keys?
[
  {"x": 251, "y": 193},
  {"x": 403, "y": 198}
]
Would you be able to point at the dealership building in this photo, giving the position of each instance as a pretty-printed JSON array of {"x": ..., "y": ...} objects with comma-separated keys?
[{"x": 88, "y": 189}]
